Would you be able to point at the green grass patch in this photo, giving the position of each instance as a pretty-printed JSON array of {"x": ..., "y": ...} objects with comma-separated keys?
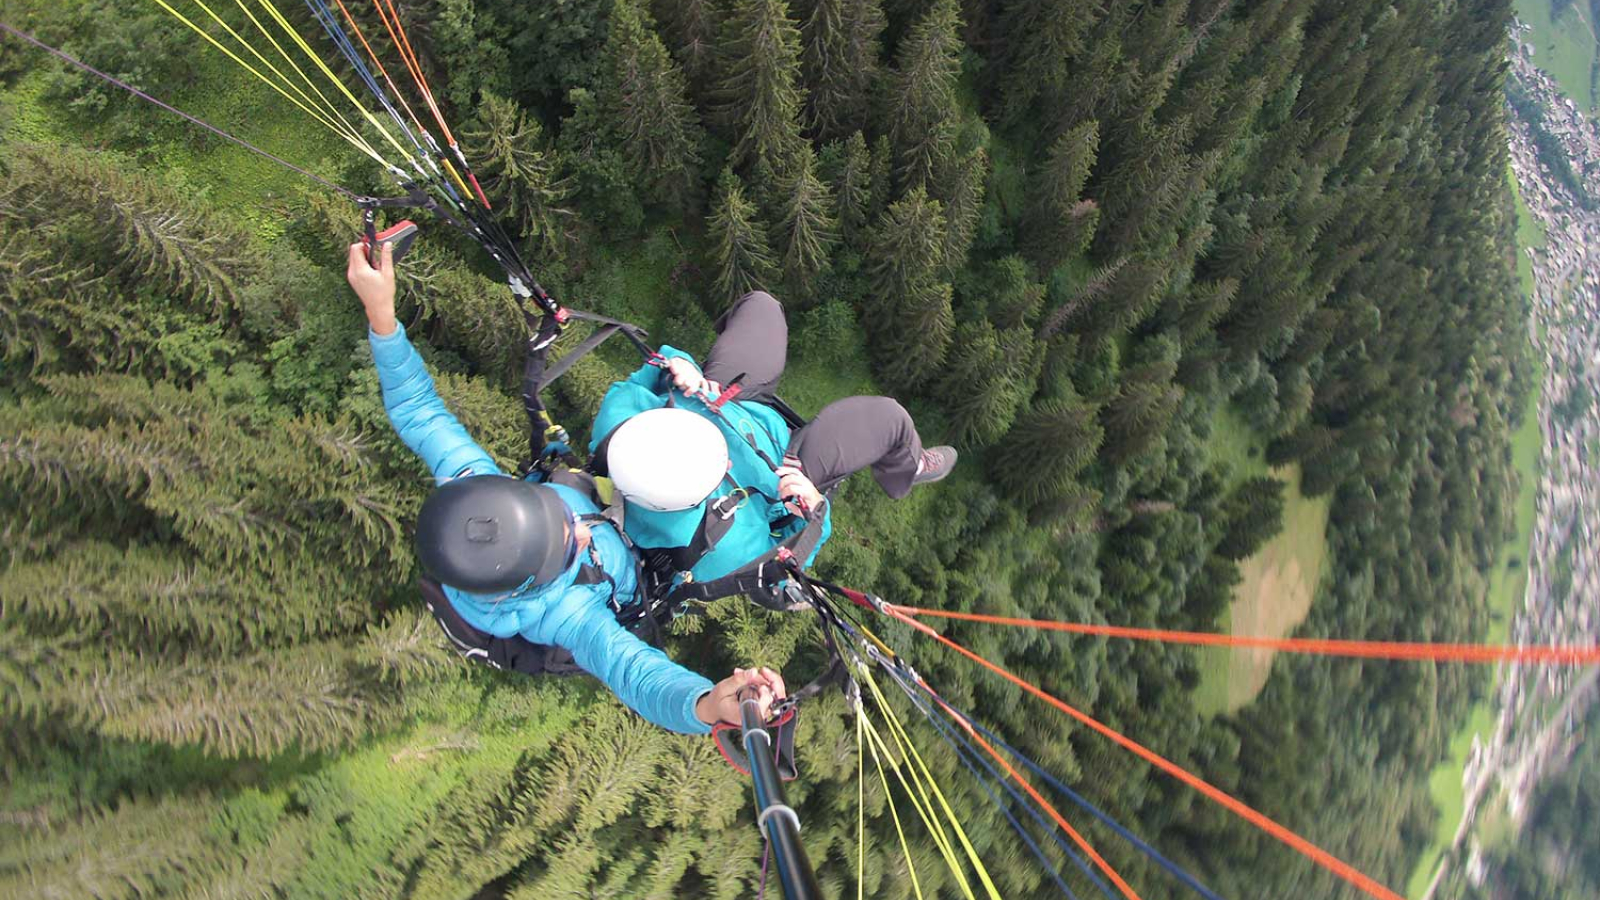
[
  {"x": 1564, "y": 46},
  {"x": 1279, "y": 581},
  {"x": 1449, "y": 796}
]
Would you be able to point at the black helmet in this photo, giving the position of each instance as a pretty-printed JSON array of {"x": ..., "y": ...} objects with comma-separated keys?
[{"x": 487, "y": 534}]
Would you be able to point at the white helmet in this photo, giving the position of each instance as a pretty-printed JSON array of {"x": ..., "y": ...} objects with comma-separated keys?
[{"x": 666, "y": 459}]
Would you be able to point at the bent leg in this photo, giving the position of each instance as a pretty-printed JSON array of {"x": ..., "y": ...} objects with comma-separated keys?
[
  {"x": 752, "y": 341},
  {"x": 857, "y": 432}
]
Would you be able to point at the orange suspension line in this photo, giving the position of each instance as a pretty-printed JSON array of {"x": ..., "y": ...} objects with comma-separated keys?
[
  {"x": 1316, "y": 854},
  {"x": 1082, "y": 842},
  {"x": 1570, "y": 655},
  {"x": 379, "y": 63},
  {"x": 402, "y": 45}
]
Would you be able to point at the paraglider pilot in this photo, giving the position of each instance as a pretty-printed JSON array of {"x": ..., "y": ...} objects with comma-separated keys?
[{"x": 513, "y": 556}]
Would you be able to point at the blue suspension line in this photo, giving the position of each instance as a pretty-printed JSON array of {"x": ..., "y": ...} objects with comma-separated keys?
[
  {"x": 1026, "y": 804},
  {"x": 1172, "y": 868},
  {"x": 944, "y": 732}
]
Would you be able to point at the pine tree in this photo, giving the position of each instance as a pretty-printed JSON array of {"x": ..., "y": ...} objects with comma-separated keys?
[
  {"x": 808, "y": 225},
  {"x": 850, "y": 164},
  {"x": 1045, "y": 450},
  {"x": 522, "y": 175},
  {"x": 690, "y": 28},
  {"x": 840, "y": 62},
  {"x": 743, "y": 257},
  {"x": 1253, "y": 513},
  {"x": 922, "y": 109},
  {"x": 1060, "y": 222},
  {"x": 910, "y": 315},
  {"x": 988, "y": 376},
  {"x": 1137, "y": 416},
  {"x": 963, "y": 198},
  {"x": 128, "y": 227},
  {"x": 1039, "y": 40},
  {"x": 646, "y": 97},
  {"x": 759, "y": 93}
]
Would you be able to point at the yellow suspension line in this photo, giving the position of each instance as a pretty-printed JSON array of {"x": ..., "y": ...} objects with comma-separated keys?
[
  {"x": 359, "y": 145},
  {"x": 925, "y": 813},
  {"x": 462, "y": 184},
  {"x": 328, "y": 104},
  {"x": 264, "y": 61},
  {"x": 903, "y": 739},
  {"x": 305, "y": 48},
  {"x": 861, "y": 814},
  {"x": 916, "y": 886}
]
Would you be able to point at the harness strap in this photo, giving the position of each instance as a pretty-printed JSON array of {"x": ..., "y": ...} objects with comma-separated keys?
[{"x": 757, "y": 577}]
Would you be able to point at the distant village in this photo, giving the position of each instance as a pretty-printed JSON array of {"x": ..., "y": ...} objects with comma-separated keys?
[{"x": 1541, "y": 708}]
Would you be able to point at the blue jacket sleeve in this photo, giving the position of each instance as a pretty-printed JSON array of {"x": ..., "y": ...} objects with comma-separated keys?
[
  {"x": 419, "y": 416},
  {"x": 641, "y": 676}
]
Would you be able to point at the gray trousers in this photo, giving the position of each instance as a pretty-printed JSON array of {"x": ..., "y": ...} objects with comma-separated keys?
[{"x": 847, "y": 436}]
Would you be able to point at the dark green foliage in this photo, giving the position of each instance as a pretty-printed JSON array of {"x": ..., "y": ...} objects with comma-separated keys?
[
  {"x": 760, "y": 97},
  {"x": 1253, "y": 514},
  {"x": 807, "y": 225},
  {"x": 848, "y": 167},
  {"x": 921, "y": 109},
  {"x": 840, "y": 65},
  {"x": 1061, "y": 223},
  {"x": 646, "y": 97},
  {"x": 909, "y": 311},
  {"x": 988, "y": 375},
  {"x": 523, "y": 176},
  {"x": 743, "y": 257},
  {"x": 1046, "y": 449}
]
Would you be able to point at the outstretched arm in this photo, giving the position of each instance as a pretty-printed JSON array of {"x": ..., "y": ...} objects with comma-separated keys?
[
  {"x": 649, "y": 682},
  {"x": 414, "y": 407}
]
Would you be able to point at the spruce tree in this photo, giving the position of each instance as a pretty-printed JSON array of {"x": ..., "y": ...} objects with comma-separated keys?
[
  {"x": 743, "y": 258},
  {"x": 921, "y": 100},
  {"x": 1046, "y": 448},
  {"x": 690, "y": 29},
  {"x": 842, "y": 41},
  {"x": 962, "y": 194},
  {"x": 646, "y": 96},
  {"x": 523, "y": 175},
  {"x": 1253, "y": 514},
  {"x": 1136, "y": 417},
  {"x": 988, "y": 376},
  {"x": 808, "y": 227},
  {"x": 910, "y": 313},
  {"x": 1038, "y": 40},
  {"x": 759, "y": 96},
  {"x": 127, "y": 226},
  {"x": 1060, "y": 222},
  {"x": 850, "y": 165}
]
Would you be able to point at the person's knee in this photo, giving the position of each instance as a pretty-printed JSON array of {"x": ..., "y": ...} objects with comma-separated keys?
[{"x": 758, "y": 299}]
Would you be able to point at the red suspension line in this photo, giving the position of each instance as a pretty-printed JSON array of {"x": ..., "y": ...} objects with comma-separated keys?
[
  {"x": 1077, "y": 838},
  {"x": 402, "y": 45},
  {"x": 1316, "y": 854},
  {"x": 1569, "y": 655},
  {"x": 379, "y": 63}
]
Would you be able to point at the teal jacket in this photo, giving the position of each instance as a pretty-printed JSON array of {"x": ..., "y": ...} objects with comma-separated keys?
[
  {"x": 759, "y": 525},
  {"x": 563, "y": 613}
]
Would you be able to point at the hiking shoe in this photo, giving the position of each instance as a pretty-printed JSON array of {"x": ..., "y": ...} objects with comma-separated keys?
[{"x": 936, "y": 463}]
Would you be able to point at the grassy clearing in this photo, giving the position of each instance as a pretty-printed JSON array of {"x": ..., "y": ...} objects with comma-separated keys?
[
  {"x": 1565, "y": 46},
  {"x": 1279, "y": 582},
  {"x": 1506, "y": 585}
]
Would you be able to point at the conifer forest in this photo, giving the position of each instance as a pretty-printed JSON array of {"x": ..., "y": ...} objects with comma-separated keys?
[{"x": 1164, "y": 271}]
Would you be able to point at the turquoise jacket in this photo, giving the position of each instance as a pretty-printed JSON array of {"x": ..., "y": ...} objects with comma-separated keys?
[
  {"x": 563, "y": 613},
  {"x": 759, "y": 524}
]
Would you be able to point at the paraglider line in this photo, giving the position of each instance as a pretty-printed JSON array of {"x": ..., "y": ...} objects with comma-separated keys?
[
  {"x": 21, "y": 35},
  {"x": 1316, "y": 854}
]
